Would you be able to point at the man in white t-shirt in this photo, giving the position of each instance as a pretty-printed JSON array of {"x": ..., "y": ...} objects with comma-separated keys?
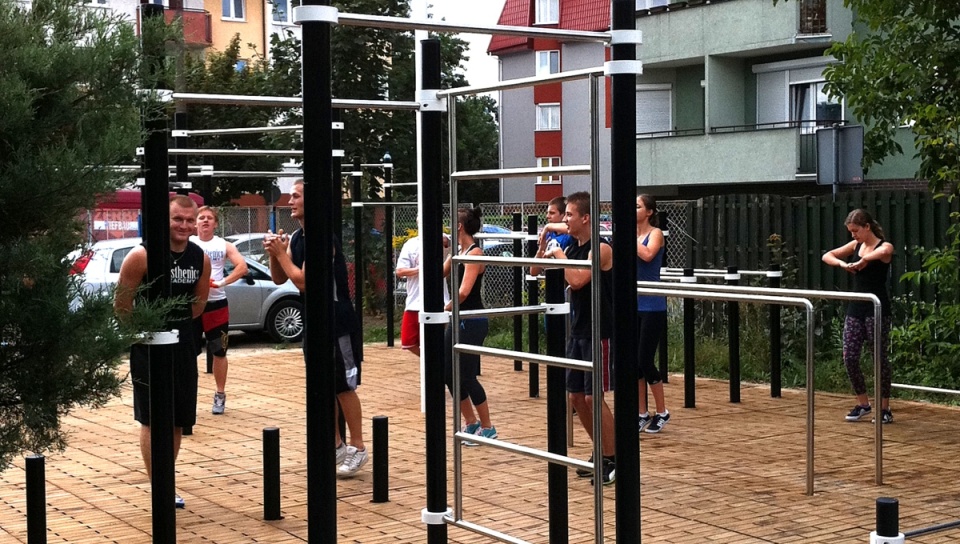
[
  {"x": 408, "y": 267},
  {"x": 215, "y": 320}
]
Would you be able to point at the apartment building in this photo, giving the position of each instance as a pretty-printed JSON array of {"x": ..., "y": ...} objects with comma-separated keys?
[{"x": 731, "y": 96}]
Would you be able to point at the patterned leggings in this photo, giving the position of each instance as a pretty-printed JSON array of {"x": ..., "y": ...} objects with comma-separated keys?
[{"x": 856, "y": 330}]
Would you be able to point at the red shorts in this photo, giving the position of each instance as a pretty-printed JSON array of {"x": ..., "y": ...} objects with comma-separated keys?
[{"x": 410, "y": 330}]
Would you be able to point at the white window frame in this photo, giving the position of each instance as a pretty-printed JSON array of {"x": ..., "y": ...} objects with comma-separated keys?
[
  {"x": 546, "y": 162},
  {"x": 547, "y": 12},
  {"x": 814, "y": 90},
  {"x": 545, "y": 109},
  {"x": 545, "y": 62},
  {"x": 288, "y": 15},
  {"x": 233, "y": 16}
]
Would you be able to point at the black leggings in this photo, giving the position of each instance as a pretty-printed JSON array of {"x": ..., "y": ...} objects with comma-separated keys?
[
  {"x": 473, "y": 332},
  {"x": 650, "y": 329}
]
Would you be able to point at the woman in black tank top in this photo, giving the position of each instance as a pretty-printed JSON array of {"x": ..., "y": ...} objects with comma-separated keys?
[
  {"x": 473, "y": 331},
  {"x": 868, "y": 258}
]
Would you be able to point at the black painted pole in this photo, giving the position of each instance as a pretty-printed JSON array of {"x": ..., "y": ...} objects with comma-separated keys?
[
  {"x": 36, "y": 500},
  {"x": 359, "y": 270},
  {"x": 557, "y": 485},
  {"x": 517, "y": 292},
  {"x": 381, "y": 459},
  {"x": 155, "y": 203},
  {"x": 623, "y": 175},
  {"x": 533, "y": 320},
  {"x": 733, "y": 331},
  {"x": 431, "y": 143},
  {"x": 776, "y": 356},
  {"x": 182, "y": 171},
  {"x": 663, "y": 222},
  {"x": 271, "y": 473},
  {"x": 689, "y": 345},
  {"x": 321, "y": 175},
  {"x": 388, "y": 244},
  {"x": 888, "y": 517}
]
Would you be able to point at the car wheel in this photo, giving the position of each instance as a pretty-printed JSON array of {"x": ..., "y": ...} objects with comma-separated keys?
[{"x": 285, "y": 321}]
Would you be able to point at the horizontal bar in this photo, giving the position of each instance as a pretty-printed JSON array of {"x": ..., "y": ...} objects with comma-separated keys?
[
  {"x": 916, "y": 387},
  {"x": 501, "y": 312},
  {"x": 681, "y": 292},
  {"x": 242, "y": 130},
  {"x": 572, "y": 364},
  {"x": 405, "y": 184},
  {"x": 505, "y": 236},
  {"x": 349, "y": 166},
  {"x": 289, "y": 102},
  {"x": 576, "y": 170},
  {"x": 775, "y": 291},
  {"x": 401, "y": 23},
  {"x": 547, "y": 456},
  {"x": 523, "y": 261},
  {"x": 239, "y": 152},
  {"x": 718, "y": 270},
  {"x": 375, "y": 204},
  {"x": 246, "y": 174},
  {"x": 696, "y": 274},
  {"x": 481, "y": 530},
  {"x": 523, "y": 82}
]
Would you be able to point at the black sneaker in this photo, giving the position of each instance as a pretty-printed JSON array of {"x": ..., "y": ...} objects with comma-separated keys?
[
  {"x": 886, "y": 416},
  {"x": 657, "y": 423},
  {"x": 643, "y": 421},
  {"x": 586, "y": 472},
  {"x": 858, "y": 412},
  {"x": 609, "y": 472}
]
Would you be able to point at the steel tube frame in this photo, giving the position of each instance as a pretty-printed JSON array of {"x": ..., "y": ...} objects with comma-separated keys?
[
  {"x": 241, "y": 130},
  {"x": 523, "y": 82},
  {"x": 573, "y": 170},
  {"x": 572, "y": 364},
  {"x": 684, "y": 292},
  {"x": 402, "y": 23},
  {"x": 238, "y": 152},
  {"x": 830, "y": 295},
  {"x": 289, "y": 102}
]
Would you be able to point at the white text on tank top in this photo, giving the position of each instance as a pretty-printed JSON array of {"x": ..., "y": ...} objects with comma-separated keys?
[{"x": 216, "y": 249}]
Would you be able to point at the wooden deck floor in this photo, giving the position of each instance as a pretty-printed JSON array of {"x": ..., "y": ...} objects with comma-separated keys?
[{"x": 719, "y": 473}]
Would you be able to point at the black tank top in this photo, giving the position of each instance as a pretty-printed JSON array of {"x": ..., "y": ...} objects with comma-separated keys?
[
  {"x": 581, "y": 324},
  {"x": 185, "y": 271},
  {"x": 474, "y": 300},
  {"x": 872, "y": 279},
  {"x": 346, "y": 317}
]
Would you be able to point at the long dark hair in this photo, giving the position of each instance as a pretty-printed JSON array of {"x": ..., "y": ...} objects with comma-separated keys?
[
  {"x": 650, "y": 203},
  {"x": 862, "y": 218},
  {"x": 470, "y": 219}
]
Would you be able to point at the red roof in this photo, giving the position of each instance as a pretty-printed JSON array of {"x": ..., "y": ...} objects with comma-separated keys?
[{"x": 588, "y": 15}]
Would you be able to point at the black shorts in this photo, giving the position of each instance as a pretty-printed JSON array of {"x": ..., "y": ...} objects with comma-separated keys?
[
  {"x": 214, "y": 325},
  {"x": 581, "y": 381},
  {"x": 348, "y": 362},
  {"x": 184, "y": 383}
]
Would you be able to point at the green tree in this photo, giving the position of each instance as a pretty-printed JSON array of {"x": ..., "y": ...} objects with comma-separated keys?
[
  {"x": 900, "y": 67},
  {"x": 68, "y": 86}
]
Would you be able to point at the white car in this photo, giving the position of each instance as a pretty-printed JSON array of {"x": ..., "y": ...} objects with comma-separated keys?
[{"x": 256, "y": 303}]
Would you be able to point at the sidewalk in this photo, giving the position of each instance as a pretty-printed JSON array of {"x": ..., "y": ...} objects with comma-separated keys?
[{"x": 719, "y": 473}]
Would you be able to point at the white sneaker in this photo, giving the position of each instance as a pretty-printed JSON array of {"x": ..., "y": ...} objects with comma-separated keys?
[
  {"x": 355, "y": 459},
  {"x": 341, "y": 453}
]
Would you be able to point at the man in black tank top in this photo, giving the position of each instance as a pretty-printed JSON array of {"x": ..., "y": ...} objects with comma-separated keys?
[{"x": 190, "y": 281}]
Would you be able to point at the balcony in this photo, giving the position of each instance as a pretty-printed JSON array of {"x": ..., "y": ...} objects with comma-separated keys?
[{"x": 197, "y": 31}]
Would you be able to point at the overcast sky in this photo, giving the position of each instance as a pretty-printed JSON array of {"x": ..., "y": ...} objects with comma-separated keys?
[{"x": 481, "y": 68}]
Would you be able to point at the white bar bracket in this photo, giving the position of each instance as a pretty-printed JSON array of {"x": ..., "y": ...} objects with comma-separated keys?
[
  {"x": 163, "y": 338},
  {"x": 315, "y": 14},
  {"x": 774, "y": 273},
  {"x": 626, "y": 36},
  {"x": 623, "y": 67},
  {"x": 336, "y": 125},
  {"x": 557, "y": 309},
  {"x": 435, "y": 518},
  {"x": 731, "y": 277},
  {"x": 180, "y": 133},
  {"x": 429, "y": 101},
  {"x": 434, "y": 318}
]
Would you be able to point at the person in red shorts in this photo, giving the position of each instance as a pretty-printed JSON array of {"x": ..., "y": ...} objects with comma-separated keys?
[{"x": 408, "y": 267}]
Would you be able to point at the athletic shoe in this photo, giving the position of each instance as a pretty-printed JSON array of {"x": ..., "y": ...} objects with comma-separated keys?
[
  {"x": 643, "y": 421},
  {"x": 858, "y": 412},
  {"x": 178, "y": 501},
  {"x": 609, "y": 472},
  {"x": 489, "y": 432},
  {"x": 341, "y": 453},
  {"x": 886, "y": 416},
  {"x": 657, "y": 422},
  {"x": 471, "y": 428},
  {"x": 586, "y": 472},
  {"x": 355, "y": 459},
  {"x": 219, "y": 403}
]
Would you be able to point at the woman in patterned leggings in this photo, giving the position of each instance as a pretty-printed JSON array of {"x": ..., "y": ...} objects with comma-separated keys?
[{"x": 869, "y": 261}]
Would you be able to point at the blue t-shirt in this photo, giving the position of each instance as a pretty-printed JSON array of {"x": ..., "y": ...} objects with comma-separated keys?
[
  {"x": 563, "y": 239},
  {"x": 650, "y": 271}
]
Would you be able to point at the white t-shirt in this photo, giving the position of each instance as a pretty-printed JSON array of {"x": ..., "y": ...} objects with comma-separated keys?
[
  {"x": 410, "y": 258},
  {"x": 216, "y": 249}
]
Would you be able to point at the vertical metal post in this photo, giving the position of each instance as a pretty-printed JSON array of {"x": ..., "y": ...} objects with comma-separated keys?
[
  {"x": 517, "y": 292},
  {"x": 36, "y": 500},
  {"x": 359, "y": 269},
  {"x": 663, "y": 222},
  {"x": 533, "y": 320},
  {"x": 432, "y": 289},
  {"x": 271, "y": 473},
  {"x": 388, "y": 244},
  {"x": 156, "y": 225},
  {"x": 689, "y": 345},
  {"x": 623, "y": 173},
  {"x": 557, "y": 485},
  {"x": 321, "y": 176},
  {"x": 776, "y": 357},
  {"x": 733, "y": 331},
  {"x": 381, "y": 460}
]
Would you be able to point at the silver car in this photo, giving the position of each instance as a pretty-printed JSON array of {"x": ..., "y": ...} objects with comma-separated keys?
[{"x": 256, "y": 303}]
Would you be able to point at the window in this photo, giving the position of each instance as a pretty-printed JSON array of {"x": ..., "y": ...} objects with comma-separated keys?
[
  {"x": 811, "y": 106},
  {"x": 653, "y": 109},
  {"x": 548, "y": 62},
  {"x": 548, "y": 116},
  {"x": 548, "y": 12},
  {"x": 547, "y": 162},
  {"x": 647, "y": 4},
  {"x": 233, "y": 9},
  {"x": 283, "y": 10}
]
